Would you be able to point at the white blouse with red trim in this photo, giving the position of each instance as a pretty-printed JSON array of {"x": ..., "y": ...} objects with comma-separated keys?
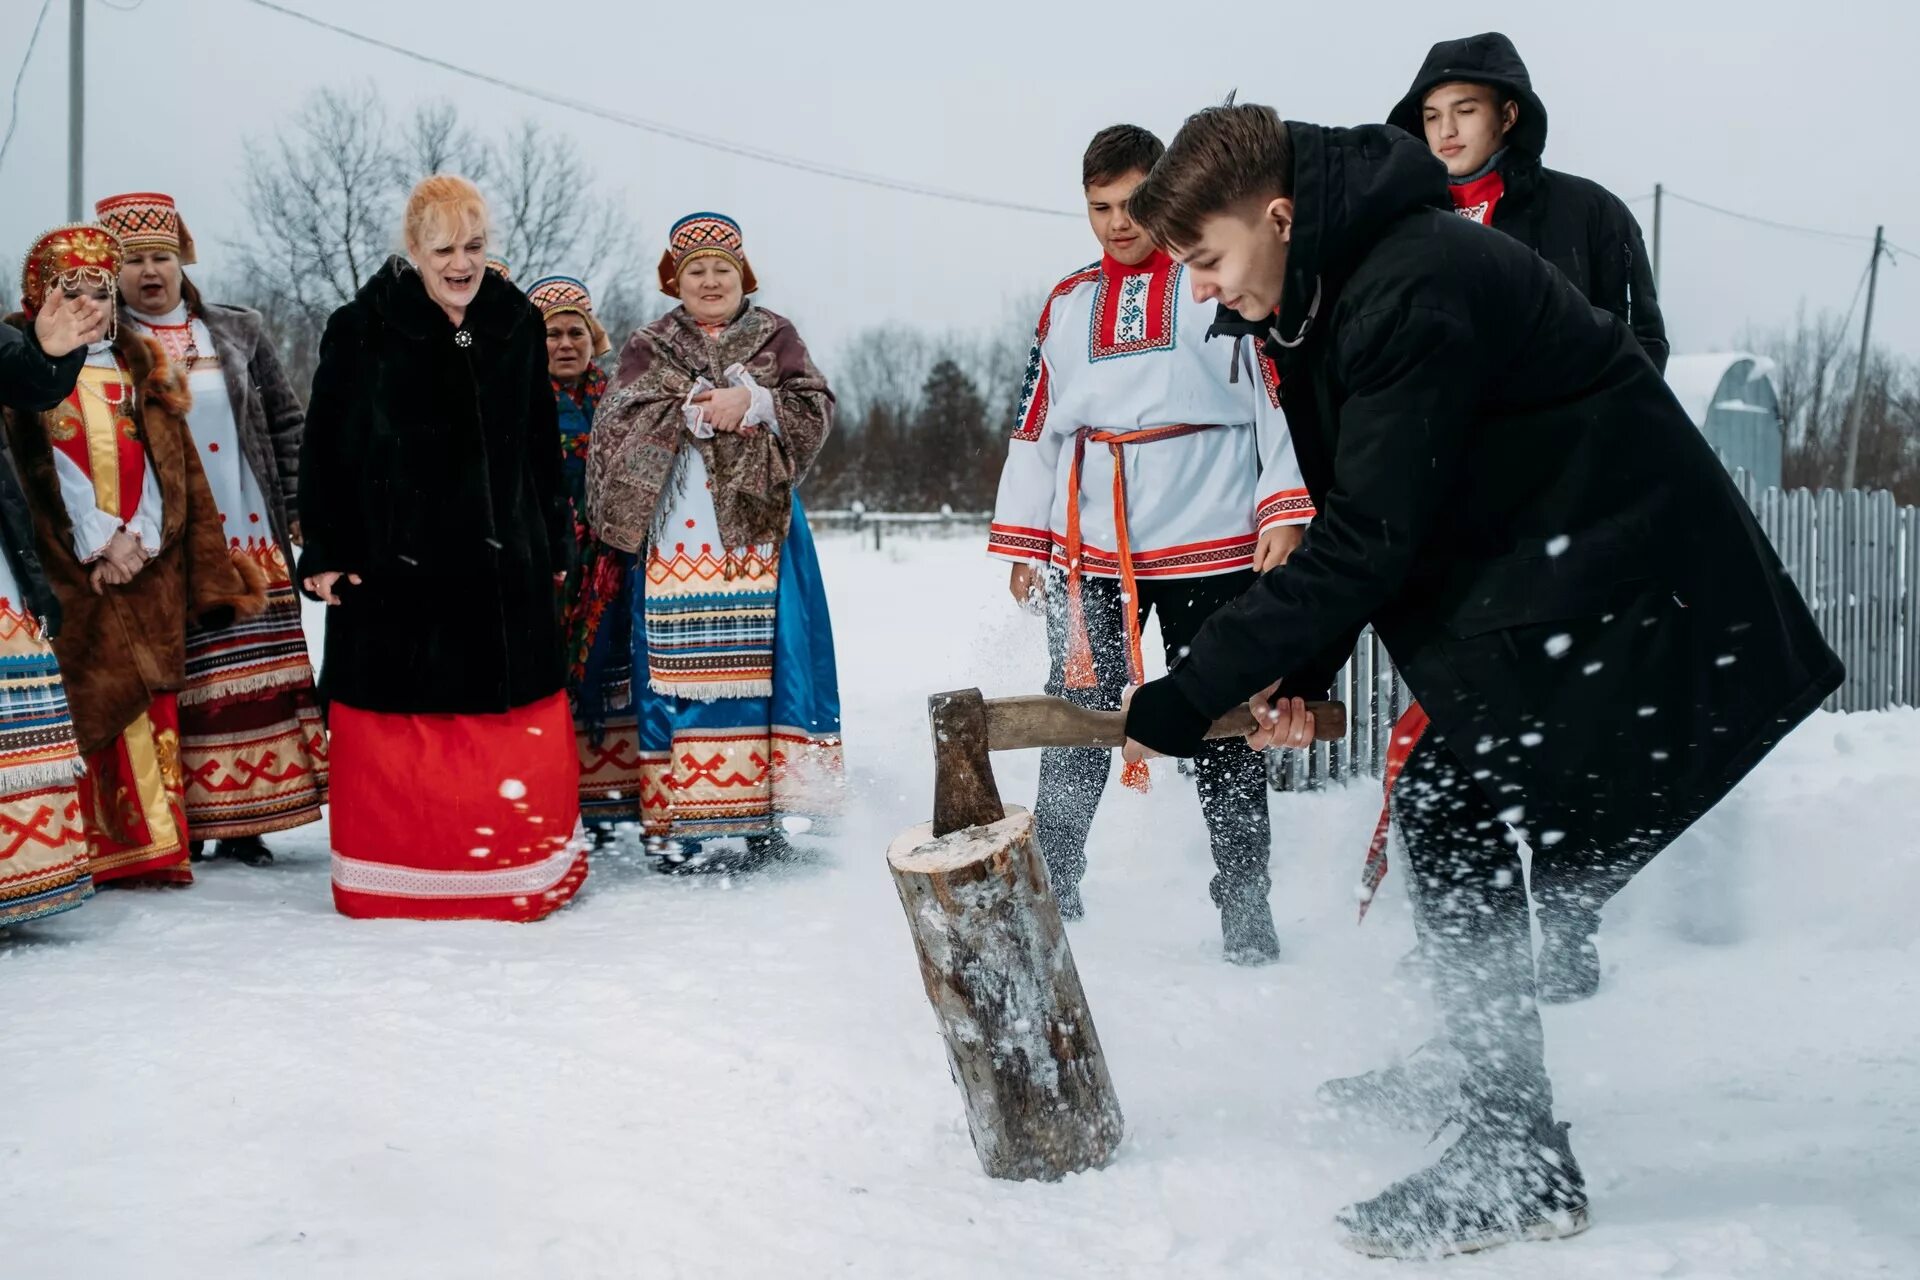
[{"x": 1124, "y": 348}]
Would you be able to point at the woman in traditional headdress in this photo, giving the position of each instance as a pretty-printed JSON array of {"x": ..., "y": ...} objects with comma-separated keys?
[
  {"x": 714, "y": 416},
  {"x": 599, "y": 615},
  {"x": 131, "y": 541},
  {"x": 437, "y": 533},
  {"x": 43, "y": 841},
  {"x": 252, "y": 741}
]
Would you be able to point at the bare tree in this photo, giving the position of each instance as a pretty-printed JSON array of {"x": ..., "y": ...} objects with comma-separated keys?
[
  {"x": 1814, "y": 378},
  {"x": 435, "y": 141},
  {"x": 885, "y": 366},
  {"x": 320, "y": 201},
  {"x": 323, "y": 197}
]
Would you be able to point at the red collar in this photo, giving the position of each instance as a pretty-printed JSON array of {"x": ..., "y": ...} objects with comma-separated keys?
[
  {"x": 1484, "y": 190},
  {"x": 1155, "y": 262}
]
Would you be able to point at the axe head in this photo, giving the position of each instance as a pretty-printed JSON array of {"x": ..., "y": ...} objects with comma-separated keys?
[{"x": 964, "y": 793}]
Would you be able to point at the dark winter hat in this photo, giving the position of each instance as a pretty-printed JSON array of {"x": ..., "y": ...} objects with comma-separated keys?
[{"x": 1488, "y": 59}]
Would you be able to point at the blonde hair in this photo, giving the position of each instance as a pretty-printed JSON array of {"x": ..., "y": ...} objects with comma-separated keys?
[{"x": 442, "y": 209}]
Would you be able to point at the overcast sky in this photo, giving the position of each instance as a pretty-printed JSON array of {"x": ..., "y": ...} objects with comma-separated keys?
[{"x": 1786, "y": 111}]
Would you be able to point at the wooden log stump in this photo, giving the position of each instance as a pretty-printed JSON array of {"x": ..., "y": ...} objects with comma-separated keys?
[{"x": 995, "y": 960}]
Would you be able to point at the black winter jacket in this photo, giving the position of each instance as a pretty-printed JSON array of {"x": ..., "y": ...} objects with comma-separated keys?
[
  {"x": 431, "y": 468},
  {"x": 1577, "y": 225},
  {"x": 1509, "y": 493},
  {"x": 31, "y": 382}
]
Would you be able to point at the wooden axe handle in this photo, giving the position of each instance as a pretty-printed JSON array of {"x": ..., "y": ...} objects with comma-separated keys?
[{"x": 1016, "y": 724}]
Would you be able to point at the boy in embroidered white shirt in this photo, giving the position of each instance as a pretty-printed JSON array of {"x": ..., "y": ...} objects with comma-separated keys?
[{"x": 1150, "y": 471}]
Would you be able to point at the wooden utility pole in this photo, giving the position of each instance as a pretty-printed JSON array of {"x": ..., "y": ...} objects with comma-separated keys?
[
  {"x": 1659, "y": 192},
  {"x": 1860, "y": 371},
  {"x": 76, "y": 109}
]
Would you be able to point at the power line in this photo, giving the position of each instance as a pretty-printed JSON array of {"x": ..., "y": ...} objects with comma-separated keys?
[
  {"x": 1849, "y": 237},
  {"x": 666, "y": 130},
  {"x": 19, "y": 76}
]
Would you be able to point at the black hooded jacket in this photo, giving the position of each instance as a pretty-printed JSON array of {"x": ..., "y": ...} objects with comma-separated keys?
[
  {"x": 1511, "y": 496},
  {"x": 431, "y": 468},
  {"x": 30, "y": 381},
  {"x": 1577, "y": 225}
]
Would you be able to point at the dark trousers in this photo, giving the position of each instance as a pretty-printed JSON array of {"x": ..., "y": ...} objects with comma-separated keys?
[
  {"x": 1470, "y": 903},
  {"x": 1232, "y": 776}
]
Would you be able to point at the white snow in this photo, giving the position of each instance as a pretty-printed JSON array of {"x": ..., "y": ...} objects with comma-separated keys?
[{"x": 704, "y": 1078}]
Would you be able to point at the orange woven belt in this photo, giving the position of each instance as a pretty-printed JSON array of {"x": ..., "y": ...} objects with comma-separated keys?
[{"x": 1080, "y": 673}]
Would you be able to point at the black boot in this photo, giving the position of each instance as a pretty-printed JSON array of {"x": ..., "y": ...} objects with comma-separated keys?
[
  {"x": 1418, "y": 1092},
  {"x": 196, "y": 851},
  {"x": 762, "y": 850},
  {"x": 1246, "y": 929},
  {"x": 1568, "y": 969},
  {"x": 676, "y": 857},
  {"x": 250, "y": 850},
  {"x": 1498, "y": 1183}
]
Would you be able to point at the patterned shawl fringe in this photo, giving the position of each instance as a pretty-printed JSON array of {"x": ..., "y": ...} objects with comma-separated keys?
[
  {"x": 244, "y": 686},
  {"x": 713, "y": 691},
  {"x": 41, "y": 775}
]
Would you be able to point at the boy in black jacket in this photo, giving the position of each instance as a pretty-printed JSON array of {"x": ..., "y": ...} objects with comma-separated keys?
[
  {"x": 1602, "y": 638},
  {"x": 1474, "y": 103}
]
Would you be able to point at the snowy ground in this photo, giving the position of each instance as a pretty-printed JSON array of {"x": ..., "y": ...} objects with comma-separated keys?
[{"x": 708, "y": 1078}]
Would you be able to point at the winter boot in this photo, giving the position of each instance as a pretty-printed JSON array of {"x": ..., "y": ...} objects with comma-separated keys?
[
  {"x": 676, "y": 857},
  {"x": 1417, "y": 1092},
  {"x": 764, "y": 850},
  {"x": 250, "y": 850},
  {"x": 1568, "y": 969},
  {"x": 1246, "y": 930},
  {"x": 1498, "y": 1183}
]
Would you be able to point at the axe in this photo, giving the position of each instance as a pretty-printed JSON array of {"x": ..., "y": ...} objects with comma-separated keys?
[{"x": 968, "y": 727}]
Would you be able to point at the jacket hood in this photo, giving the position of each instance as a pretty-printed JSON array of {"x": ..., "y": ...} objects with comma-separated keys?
[
  {"x": 1488, "y": 59},
  {"x": 1349, "y": 186}
]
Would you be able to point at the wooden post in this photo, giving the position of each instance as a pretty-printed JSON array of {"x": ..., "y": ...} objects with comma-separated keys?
[{"x": 995, "y": 961}]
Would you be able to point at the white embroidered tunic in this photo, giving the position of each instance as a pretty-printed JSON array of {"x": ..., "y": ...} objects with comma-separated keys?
[
  {"x": 236, "y": 490},
  {"x": 1122, "y": 349}
]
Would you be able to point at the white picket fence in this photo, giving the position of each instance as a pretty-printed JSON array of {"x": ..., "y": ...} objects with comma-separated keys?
[{"x": 1854, "y": 554}]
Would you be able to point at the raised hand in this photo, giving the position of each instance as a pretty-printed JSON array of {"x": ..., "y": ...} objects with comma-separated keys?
[{"x": 69, "y": 322}]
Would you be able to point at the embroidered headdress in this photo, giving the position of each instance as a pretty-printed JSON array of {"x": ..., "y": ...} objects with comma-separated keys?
[
  {"x": 703, "y": 235},
  {"x": 80, "y": 255},
  {"x": 555, "y": 294},
  {"x": 147, "y": 220}
]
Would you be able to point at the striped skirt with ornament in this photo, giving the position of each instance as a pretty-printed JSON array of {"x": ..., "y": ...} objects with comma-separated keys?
[
  {"x": 43, "y": 839},
  {"x": 253, "y": 743},
  {"x": 739, "y": 718}
]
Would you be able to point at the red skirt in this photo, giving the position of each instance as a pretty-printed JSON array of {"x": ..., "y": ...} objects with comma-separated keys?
[
  {"x": 134, "y": 803},
  {"x": 456, "y": 817}
]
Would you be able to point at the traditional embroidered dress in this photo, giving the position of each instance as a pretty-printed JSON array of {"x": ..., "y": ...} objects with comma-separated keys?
[
  {"x": 253, "y": 743},
  {"x": 114, "y": 457},
  {"x": 739, "y": 709},
  {"x": 133, "y": 789},
  {"x": 1141, "y": 450},
  {"x": 599, "y": 620},
  {"x": 43, "y": 838}
]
